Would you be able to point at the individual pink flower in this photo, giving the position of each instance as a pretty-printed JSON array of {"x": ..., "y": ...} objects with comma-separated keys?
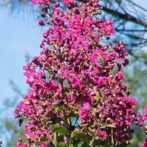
[
  {"x": 20, "y": 145},
  {"x": 120, "y": 75},
  {"x": 103, "y": 133},
  {"x": 46, "y": 34},
  {"x": 40, "y": 22},
  {"x": 36, "y": 2},
  {"x": 65, "y": 139},
  {"x": 139, "y": 117},
  {"x": 145, "y": 143},
  {"x": 128, "y": 123},
  {"x": 145, "y": 117}
]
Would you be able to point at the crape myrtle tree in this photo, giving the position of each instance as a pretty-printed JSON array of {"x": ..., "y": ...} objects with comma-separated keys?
[
  {"x": 130, "y": 20},
  {"x": 77, "y": 96},
  {"x": 130, "y": 26}
]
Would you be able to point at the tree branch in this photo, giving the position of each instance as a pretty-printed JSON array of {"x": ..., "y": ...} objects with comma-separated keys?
[
  {"x": 133, "y": 30},
  {"x": 126, "y": 16},
  {"x": 137, "y": 5}
]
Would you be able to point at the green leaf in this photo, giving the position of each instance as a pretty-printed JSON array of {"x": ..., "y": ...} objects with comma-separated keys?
[
  {"x": 60, "y": 138},
  {"x": 60, "y": 130},
  {"x": 44, "y": 140},
  {"x": 76, "y": 112},
  {"x": 80, "y": 136},
  {"x": 124, "y": 144},
  {"x": 85, "y": 145},
  {"x": 62, "y": 144},
  {"x": 55, "y": 140},
  {"x": 76, "y": 143},
  {"x": 106, "y": 125},
  {"x": 91, "y": 133},
  {"x": 98, "y": 143},
  {"x": 57, "y": 108},
  {"x": 59, "y": 80},
  {"x": 38, "y": 142}
]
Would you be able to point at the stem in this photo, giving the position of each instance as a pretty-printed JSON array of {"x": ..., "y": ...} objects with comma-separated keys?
[
  {"x": 65, "y": 120},
  {"x": 112, "y": 139},
  {"x": 67, "y": 128}
]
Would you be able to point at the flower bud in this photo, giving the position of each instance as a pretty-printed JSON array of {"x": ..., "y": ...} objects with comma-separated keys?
[
  {"x": 19, "y": 139},
  {"x": 40, "y": 22},
  {"x": 57, "y": 4}
]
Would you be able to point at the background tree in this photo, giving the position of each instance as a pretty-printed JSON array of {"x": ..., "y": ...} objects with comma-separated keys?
[
  {"x": 10, "y": 128},
  {"x": 136, "y": 78}
]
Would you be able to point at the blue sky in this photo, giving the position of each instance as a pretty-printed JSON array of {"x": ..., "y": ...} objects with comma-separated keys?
[{"x": 18, "y": 36}]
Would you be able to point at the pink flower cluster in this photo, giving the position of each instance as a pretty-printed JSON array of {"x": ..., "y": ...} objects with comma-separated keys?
[
  {"x": 41, "y": 2},
  {"x": 85, "y": 111},
  {"x": 77, "y": 76}
]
